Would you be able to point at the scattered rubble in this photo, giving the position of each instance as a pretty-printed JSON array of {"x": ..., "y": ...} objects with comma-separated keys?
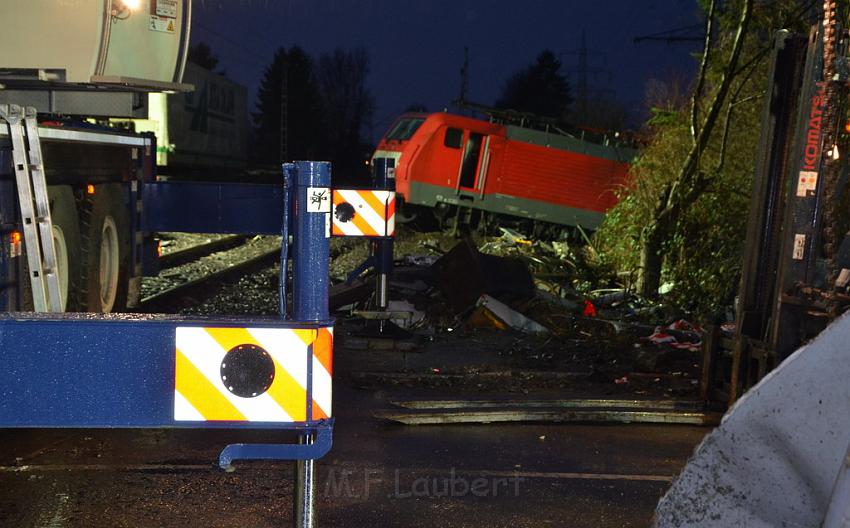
[
  {"x": 519, "y": 305},
  {"x": 496, "y": 314},
  {"x": 464, "y": 274}
]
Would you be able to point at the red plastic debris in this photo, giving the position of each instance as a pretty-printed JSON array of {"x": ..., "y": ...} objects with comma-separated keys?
[
  {"x": 685, "y": 326},
  {"x": 659, "y": 336},
  {"x": 589, "y": 309}
]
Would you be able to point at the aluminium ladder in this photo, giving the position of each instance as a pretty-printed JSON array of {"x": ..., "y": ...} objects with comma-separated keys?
[{"x": 35, "y": 206}]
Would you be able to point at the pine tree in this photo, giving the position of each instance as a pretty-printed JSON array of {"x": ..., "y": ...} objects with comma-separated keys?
[
  {"x": 539, "y": 88},
  {"x": 302, "y": 120},
  {"x": 348, "y": 106}
]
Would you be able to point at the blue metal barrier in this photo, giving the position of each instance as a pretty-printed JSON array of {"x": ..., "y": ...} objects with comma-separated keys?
[
  {"x": 200, "y": 207},
  {"x": 131, "y": 371}
]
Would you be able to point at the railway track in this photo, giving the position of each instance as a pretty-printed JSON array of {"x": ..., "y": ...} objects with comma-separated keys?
[
  {"x": 193, "y": 273},
  {"x": 198, "y": 251},
  {"x": 207, "y": 278}
]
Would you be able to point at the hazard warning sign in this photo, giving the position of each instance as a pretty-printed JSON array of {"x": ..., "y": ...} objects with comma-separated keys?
[
  {"x": 161, "y": 24},
  {"x": 252, "y": 374},
  {"x": 364, "y": 213}
]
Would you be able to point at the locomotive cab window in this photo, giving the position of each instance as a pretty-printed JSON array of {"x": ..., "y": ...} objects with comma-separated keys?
[
  {"x": 454, "y": 138},
  {"x": 404, "y": 129}
]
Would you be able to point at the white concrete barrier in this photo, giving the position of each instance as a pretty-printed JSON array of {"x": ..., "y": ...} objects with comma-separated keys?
[{"x": 775, "y": 457}]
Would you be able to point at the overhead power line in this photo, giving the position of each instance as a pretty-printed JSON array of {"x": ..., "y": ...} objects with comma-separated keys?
[{"x": 691, "y": 33}]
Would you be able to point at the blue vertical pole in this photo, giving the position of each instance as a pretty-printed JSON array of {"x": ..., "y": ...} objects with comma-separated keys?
[
  {"x": 384, "y": 179},
  {"x": 289, "y": 174},
  {"x": 311, "y": 248},
  {"x": 310, "y": 283}
]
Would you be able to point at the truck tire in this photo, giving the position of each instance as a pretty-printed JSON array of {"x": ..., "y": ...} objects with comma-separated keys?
[
  {"x": 105, "y": 233},
  {"x": 66, "y": 242}
]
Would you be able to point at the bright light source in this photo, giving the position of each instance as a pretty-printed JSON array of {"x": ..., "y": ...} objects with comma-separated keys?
[
  {"x": 89, "y": 189},
  {"x": 132, "y": 5},
  {"x": 16, "y": 237}
]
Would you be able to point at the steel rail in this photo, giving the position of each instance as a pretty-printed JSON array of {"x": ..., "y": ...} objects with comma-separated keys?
[
  {"x": 174, "y": 296},
  {"x": 188, "y": 254}
]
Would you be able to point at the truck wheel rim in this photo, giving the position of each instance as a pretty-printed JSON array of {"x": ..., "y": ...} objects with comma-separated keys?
[
  {"x": 61, "y": 250},
  {"x": 109, "y": 262}
]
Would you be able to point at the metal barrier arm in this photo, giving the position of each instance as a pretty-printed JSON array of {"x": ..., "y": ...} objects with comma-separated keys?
[{"x": 323, "y": 443}]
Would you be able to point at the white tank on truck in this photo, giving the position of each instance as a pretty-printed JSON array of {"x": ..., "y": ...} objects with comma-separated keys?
[
  {"x": 68, "y": 47},
  {"x": 74, "y": 60}
]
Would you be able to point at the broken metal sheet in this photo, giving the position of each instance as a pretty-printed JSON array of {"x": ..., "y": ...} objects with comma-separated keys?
[
  {"x": 464, "y": 274},
  {"x": 655, "y": 405},
  {"x": 502, "y": 374},
  {"x": 511, "y": 317},
  {"x": 455, "y": 416},
  {"x": 411, "y": 317}
]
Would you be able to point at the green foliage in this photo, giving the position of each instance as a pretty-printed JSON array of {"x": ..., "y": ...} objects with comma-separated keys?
[
  {"x": 661, "y": 117},
  {"x": 703, "y": 252},
  {"x": 618, "y": 238}
]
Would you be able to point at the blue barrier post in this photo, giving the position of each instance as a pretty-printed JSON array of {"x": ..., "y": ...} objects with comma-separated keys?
[
  {"x": 311, "y": 280},
  {"x": 382, "y": 249},
  {"x": 311, "y": 256}
]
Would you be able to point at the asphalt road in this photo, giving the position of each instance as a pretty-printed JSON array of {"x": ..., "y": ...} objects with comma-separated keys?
[{"x": 378, "y": 474}]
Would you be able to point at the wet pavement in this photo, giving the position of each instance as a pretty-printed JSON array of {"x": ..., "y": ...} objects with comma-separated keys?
[{"x": 378, "y": 474}]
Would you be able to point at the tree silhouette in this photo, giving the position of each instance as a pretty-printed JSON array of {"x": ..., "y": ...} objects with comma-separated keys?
[
  {"x": 418, "y": 108},
  {"x": 328, "y": 110},
  {"x": 300, "y": 122},
  {"x": 539, "y": 88},
  {"x": 347, "y": 108},
  {"x": 202, "y": 55}
]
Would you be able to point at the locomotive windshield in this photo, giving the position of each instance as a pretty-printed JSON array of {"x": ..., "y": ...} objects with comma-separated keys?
[{"x": 405, "y": 128}]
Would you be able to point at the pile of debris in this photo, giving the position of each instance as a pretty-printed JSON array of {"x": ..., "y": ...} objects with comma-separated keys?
[{"x": 532, "y": 305}]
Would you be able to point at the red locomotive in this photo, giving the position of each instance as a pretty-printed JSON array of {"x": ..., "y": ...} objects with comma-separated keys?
[{"x": 447, "y": 161}]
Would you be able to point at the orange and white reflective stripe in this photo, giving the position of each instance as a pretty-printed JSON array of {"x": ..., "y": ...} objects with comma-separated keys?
[
  {"x": 200, "y": 393},
  {"x": 368, "y": 213},
  {"x": 322, "y": 374}
]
